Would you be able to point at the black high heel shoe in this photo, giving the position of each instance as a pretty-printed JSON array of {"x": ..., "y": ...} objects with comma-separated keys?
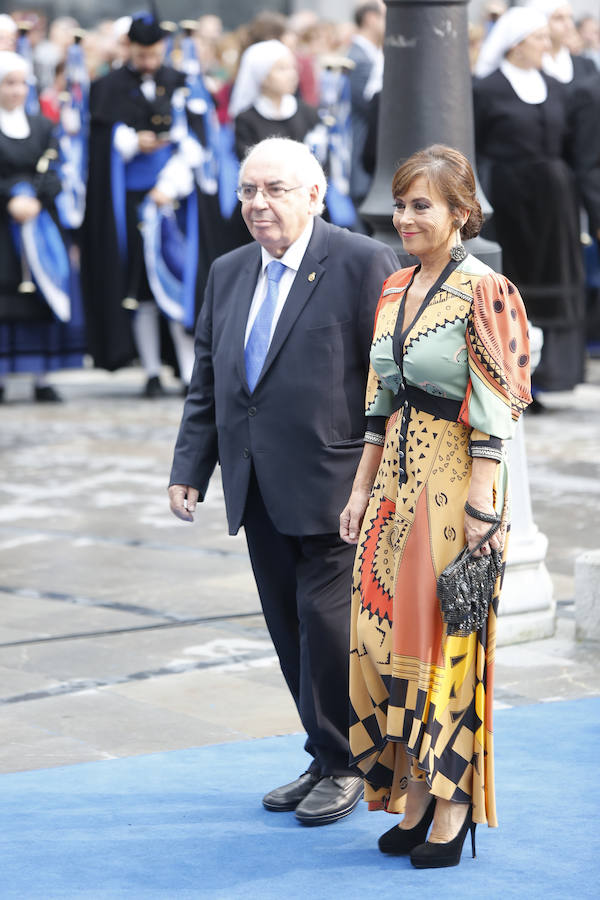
[
  {"x": 398, "y": 841},
  {"x": 438, "y": 856}
]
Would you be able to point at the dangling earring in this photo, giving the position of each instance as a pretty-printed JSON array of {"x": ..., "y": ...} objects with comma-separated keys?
[{"x": 458, "y": 252}]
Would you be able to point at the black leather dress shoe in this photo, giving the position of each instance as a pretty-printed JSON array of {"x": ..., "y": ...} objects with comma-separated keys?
[
  {"x": 332, "y": 798},
  {"x": 285, "y": 798},
  {"x": 45, "y": 393},
  {"x": 154, "y": 388}
]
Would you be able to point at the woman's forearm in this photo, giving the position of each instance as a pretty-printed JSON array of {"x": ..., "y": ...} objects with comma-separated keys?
[
  {"x": 367, "y": 468},
  {"x": 481, "y": 488}
]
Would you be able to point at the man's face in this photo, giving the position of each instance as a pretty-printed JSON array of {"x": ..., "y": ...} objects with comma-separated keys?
[
  {"x": 560, "y": 24},
  {"x": 376, "y": 24},
  {"x": 147, "y": 60},
  {"x": 277, "y": 223}
]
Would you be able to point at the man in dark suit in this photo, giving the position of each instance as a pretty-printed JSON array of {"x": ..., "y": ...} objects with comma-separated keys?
[
  {"x": 277, "y": 396},
  {"x": 366, "y": 80}
]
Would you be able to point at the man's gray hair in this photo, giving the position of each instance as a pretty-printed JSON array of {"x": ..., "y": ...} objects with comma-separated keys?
[{"x": 307, "y": 167}]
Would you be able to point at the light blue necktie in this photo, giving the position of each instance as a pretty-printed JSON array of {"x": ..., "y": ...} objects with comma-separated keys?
[{"x": 259, "y": 339}]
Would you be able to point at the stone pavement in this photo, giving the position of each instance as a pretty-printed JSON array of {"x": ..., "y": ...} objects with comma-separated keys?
[{"x": 124, "y": 631}]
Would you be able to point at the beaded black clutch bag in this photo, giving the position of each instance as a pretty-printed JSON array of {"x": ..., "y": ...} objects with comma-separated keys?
[{"x": 466, "y": 586}]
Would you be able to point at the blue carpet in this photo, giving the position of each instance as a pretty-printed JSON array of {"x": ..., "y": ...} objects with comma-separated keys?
[{"x": 189, "y": 824}]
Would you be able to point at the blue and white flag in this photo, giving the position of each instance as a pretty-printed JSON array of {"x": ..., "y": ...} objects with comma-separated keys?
[
  {"x": 72, "y": 135},
  {"x": 335, "y": 113},
  {"x": 32, "y": 104},
  {"x": 39, "y": 243},
  {"x": 170, "y": 252},
  {"x": 200, "y": 102},
  {"x": 218, "y": 166}
]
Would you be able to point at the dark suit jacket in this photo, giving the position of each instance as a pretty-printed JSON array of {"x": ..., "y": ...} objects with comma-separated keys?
[
  {"x": 360, "y": 179},
  {"x": 303, "y": 425}
]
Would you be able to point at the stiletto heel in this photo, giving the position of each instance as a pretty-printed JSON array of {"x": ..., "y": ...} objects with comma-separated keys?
[
  {"x": 398, "y": 841},
  {"x": 438, "y": 856}
]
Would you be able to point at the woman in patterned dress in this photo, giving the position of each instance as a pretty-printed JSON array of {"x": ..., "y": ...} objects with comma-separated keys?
[{"x": 449, "y": 379}]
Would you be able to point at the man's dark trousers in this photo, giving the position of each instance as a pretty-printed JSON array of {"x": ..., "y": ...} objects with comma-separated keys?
[{"x": 304, "y": 586}]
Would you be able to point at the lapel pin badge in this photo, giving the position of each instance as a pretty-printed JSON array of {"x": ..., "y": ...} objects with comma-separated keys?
[{"x": 312, "y": 276}]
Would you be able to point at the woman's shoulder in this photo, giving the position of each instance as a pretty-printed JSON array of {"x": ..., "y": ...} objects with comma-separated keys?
[
  {"x": 472, "y": 275},
  {"x": 473, "y": 267},
  {"x": 398, "y": 279},
  {"x": 308, "y": 112},
  {"x": 494, "y": 83},
  {"x": 40, "y": 127},
  {"x": 249, "y": 114}
]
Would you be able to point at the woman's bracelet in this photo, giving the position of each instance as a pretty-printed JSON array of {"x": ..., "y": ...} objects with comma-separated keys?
[{"x": 477, "y": 514}]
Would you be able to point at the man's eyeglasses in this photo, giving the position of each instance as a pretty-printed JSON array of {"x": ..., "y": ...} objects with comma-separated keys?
[{"x": 247, "y": 192}]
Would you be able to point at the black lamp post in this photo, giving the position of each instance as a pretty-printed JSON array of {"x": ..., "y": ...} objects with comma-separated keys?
[{"x": 426, "y": 99}]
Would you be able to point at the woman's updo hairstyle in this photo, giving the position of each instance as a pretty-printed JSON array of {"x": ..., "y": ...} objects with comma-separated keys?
[{"x": 451, "y": 174}]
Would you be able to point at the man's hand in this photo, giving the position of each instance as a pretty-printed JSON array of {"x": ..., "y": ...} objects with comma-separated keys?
[
  {"x": 183, "y": 500},
  {"x": 148, "y": 142},
  {"x": 159, "y": 197},
  {"x": 23, "y": 208}
]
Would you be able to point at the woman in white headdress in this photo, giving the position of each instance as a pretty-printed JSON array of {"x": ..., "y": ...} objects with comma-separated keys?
[
  {"x": 32, "y": 339},
  {"x": 521, "y": 130},
  {"x": 263, "y": 102}
]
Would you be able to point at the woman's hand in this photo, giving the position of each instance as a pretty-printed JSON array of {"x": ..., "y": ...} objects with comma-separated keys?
[
  {"x": 23, "y": 208},
  {"x": 352, "y": 515},
  {"x": 354, "y": 512},
  {"x": 481, "y": 493},
  {"x": 476, "y": 529}
]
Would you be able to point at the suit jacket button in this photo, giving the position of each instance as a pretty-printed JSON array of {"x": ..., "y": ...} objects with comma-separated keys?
[
  {"x": 245, "y": 453},
  {"x": 252, "y": 411}
]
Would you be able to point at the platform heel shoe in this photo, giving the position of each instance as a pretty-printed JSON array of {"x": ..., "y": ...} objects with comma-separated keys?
[
  {"x": 399, "y": 841},
  {"x": 439, "y": 856}
]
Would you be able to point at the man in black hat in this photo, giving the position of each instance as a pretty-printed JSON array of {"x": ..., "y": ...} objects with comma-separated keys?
[{"x": 133, "y": 155}]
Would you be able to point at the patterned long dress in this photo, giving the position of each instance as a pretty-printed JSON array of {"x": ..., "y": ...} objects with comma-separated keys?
[{"x": 450, "y": 387}]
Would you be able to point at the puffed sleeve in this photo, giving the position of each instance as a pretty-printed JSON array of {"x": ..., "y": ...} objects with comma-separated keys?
[{"x": 499, "y": 378}]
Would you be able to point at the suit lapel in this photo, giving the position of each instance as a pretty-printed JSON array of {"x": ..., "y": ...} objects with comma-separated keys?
[
  {"x": 243, "y": 289},
  {"x": 307, "y": 278}
]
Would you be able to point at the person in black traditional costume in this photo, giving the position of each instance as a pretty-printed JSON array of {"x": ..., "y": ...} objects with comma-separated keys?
[
  {"x": 582, "y": 80},
  {"x": 521, "y": 132},
  {"x": 32, "y": 338},
  {"x": 135, "y": 153},
  {"x": 263, "y": 102}
]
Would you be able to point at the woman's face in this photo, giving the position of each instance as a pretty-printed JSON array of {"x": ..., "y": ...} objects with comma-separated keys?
[
  {"x": 282, "y": 78},
  {"x": 423, "y": 219},
  {"x": 529, "y": 52},
  {"x": 13, "y": 90}
]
